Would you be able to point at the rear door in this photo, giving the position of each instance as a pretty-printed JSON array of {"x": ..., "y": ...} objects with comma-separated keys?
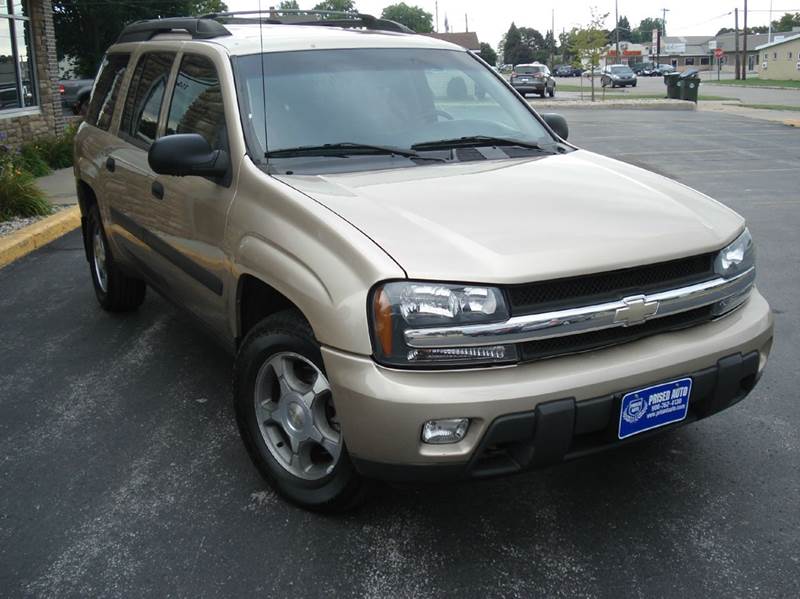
[{"x": 134, "y": 211}]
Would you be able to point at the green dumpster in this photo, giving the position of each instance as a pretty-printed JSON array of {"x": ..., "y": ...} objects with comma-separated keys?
[
  {"x": 690, "y": 85},
  {"x": 671, "y": 80}
]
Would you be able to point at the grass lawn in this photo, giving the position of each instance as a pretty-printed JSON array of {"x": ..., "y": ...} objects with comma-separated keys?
[
  {"x": 791, "y": 84},
  {"x": 772, "y": 107}
]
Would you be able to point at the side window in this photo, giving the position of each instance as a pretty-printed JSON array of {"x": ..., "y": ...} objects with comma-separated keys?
[
  {"x": 106, "y": 90},
  {"x": 196, "y": 105},
  {"x": 146, "y": 92}
]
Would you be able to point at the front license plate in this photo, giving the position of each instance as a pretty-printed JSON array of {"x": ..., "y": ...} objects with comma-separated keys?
[{"x": 654, "y": 406}]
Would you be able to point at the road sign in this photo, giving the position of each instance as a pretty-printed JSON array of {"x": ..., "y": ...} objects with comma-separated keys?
[{"x": 718, "y": 53}]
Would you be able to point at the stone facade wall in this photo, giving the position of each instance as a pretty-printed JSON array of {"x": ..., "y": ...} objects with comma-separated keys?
[{"x": 50, "y": 118}]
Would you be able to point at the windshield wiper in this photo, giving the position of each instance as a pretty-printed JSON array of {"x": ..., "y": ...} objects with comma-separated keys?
[
  {"x": 475, "y": 141},
  {"x": 345, "y": 149}
]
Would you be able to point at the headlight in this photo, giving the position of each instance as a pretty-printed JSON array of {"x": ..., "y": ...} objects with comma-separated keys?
[
  {"x": 402, "y": 305},
  {"x": 734, "y": 260},
  {"x": 737, "y": 258}
]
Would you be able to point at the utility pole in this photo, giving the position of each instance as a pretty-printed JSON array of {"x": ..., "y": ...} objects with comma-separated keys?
[
  {"x": 736, "y": 41},
  {"x": 466, "y": 22},
  {"x": 744, "y": 44},
  {"x": 553, "y": 37},
  {"x": 769, "y": 39},
  {"x": 616, "y": 28},
  {"x": 664, "y": 12},
  {"x": 437, "y": 16}
]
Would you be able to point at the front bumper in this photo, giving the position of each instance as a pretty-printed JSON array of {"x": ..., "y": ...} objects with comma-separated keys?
[{"x": 538, "y": 413}]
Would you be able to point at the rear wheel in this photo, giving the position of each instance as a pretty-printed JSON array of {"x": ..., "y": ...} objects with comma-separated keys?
[
  {"x": 552, "y": 91},
  {"x": 287, "y": 416},
  {"x": 115, "y": 291}
]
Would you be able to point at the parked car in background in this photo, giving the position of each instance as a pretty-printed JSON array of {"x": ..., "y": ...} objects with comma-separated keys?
[
  {"x": 618, "y": 75},
  {"x": 75, "y": 94},
  {"x": 641, "y": 67},
  {"x": 658, "y": 70},
  {"x": 533, "y": 79},
  {"x": 596, "y": 72},
  {"x": 565, "y": 70}
]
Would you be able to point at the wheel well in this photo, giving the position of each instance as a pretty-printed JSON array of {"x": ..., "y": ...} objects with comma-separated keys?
[
  {"x": 255, "y": 301},
  {"x": 86, "y": 199}
]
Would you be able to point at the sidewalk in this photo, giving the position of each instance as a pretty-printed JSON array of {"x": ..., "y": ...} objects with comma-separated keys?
[
  {"x": 59, "y": 187},
  {"x": 781, "y": 116}
]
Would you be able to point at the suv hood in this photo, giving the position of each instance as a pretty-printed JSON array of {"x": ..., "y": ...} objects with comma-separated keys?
[{"x": 515, "y": 221}]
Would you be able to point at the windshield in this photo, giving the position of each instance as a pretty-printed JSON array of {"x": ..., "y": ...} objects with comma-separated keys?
[
  {"x": 395, "y": 98},
  {"x": 521, "y": 70},
  {"x": 621, "y": 70}
]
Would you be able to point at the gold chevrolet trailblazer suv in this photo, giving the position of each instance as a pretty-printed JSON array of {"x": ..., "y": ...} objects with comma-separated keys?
[{"x": 349, "y": 207}]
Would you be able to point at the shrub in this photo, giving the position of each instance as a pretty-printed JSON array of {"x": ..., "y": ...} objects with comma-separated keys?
[
  {"x": 30, "y": 159},
  {"x": 57, "y": 151},
  {"x": 19, "y": 195}
]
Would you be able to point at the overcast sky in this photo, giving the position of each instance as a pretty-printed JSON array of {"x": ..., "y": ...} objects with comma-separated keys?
[{"x": 491, "y": 18}]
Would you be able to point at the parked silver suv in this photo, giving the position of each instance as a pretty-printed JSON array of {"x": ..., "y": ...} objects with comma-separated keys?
[{"x": 347, "y": 206}]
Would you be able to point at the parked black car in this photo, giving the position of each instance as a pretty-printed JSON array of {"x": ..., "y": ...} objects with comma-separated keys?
[
  {"x": 75, "y": 94},
  {"x": 533, "y": 79},
  {"x": 565, "y": 70}
]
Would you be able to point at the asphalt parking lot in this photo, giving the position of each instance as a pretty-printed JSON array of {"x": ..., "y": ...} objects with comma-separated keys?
[{"x": 122, "y": 473}]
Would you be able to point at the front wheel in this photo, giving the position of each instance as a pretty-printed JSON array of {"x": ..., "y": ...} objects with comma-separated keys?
[{"x": 287, "y": 416}]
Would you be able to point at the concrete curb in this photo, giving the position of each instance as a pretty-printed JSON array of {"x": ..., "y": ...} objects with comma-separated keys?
[
  {"x": 750, "y": 86},
  {"x": 618, "y": 104},
  {"x": 792, "y": 123},
  {"x": 40, "y": 233}
]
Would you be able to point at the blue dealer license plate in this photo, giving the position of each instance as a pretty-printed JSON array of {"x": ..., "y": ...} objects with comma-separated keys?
[{"x": 654, "y": 406}]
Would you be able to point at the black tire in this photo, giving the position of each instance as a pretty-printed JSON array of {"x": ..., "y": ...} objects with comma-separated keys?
[
  {"x": 552, "y": 92},
  {"x": 121, "y": 293},
  {"x": 340, "y": 490},
  {"x": 542, "y": 93},
  {"x": 633, "y": 84}
]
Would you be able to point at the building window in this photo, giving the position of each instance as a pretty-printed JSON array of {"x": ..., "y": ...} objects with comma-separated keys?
[
  {"x": 774, "y": 56},
  {"x": 17, "y": 78},
  {"x": 704, "y": 60},
  {"x": 689, "y": 61},
  {"x": 789, "y": 56}
]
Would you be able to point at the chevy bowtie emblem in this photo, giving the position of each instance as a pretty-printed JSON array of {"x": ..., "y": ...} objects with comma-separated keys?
[{"x": 637, "y": 309}]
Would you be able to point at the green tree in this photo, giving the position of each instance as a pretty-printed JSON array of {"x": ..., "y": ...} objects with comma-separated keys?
[
  {"x": 289, "y": 5},
  {"x": 510, "y": 45},
  {"x": 488, "y": 53},
  {"x": 644, "y": 32},
  {"x": 786, "y": 22},
  {"x": 336, "y": 5},
  {"x": 588, "y": 43},
  {"x": 84, "y": 31},
  {"x": 624, "y": 29},
  {"x": 413, "y": 17}
]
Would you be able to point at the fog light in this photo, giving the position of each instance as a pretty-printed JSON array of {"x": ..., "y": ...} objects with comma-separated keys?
[{"x": 440, "y": 432}]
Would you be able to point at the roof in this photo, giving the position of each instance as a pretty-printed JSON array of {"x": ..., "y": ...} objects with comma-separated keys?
[
  {"x": 465, "y": 39},
  {"x": 247, "y": 39},
  {"x": 727, "y": 41},
  {"x": 785, "y": 40}
]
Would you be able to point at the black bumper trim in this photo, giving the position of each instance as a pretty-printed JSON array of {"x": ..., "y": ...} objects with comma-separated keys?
[{"x": 566, "y": 429}]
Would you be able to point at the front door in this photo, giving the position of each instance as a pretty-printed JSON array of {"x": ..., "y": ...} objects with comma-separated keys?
[{"x": 193, "y": 210}]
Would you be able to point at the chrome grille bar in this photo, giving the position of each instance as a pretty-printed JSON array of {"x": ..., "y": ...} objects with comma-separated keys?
[{"x": 628, "y": 311}]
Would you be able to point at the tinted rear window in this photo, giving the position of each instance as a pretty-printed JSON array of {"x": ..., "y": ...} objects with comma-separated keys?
[
  {"x": 106, "y": 90},
  {"x": 528, "y": 70}
]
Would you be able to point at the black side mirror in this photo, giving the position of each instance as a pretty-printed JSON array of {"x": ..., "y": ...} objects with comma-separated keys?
[
  {"x": 557, "y": 123},
  {"x": 187, "y": 154}
]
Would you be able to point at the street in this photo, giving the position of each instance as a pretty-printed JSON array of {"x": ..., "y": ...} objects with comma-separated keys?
[{"x": 123, "y": 473}]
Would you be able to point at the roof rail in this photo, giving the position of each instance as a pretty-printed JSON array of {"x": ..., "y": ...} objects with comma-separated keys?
[
  {"x": 199, "y": 28},
  {"x": 329, "y": 18}
]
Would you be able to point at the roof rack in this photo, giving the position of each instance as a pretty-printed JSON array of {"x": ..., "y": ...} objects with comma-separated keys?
[
  {"x": 326, "y": 18},
  {"x": 213, "y": 25},
  {"x": 199, "y": 28}
]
